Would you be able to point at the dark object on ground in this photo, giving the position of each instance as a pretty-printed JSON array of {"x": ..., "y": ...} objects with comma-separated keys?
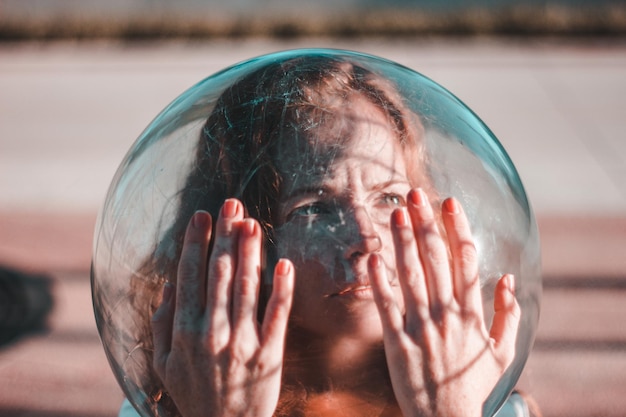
[{"x": 25, "y": 302}]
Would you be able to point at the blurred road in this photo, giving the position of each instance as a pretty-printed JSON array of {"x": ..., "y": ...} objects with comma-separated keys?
[
  {"x": 141, "y": 19},
  {"x": 69, "y": 112}
]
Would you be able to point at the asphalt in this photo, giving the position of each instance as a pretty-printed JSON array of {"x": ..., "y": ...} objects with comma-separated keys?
[{"x": 69, "y": 112}]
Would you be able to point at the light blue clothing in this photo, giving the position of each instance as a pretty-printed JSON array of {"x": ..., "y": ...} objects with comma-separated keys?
[
  {"x": 127, "y": 410},
  {"x": 515, "y": 406}
]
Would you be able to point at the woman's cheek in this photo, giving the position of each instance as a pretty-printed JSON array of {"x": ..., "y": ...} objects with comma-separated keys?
[{"x": 308, "y": 241}]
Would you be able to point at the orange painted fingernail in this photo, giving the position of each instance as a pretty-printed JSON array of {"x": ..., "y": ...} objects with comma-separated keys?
[
  {"x": 230, "y": 208},
  {"x": 374, "y": 260},
  {"x": 510, "y": 282},
  {"x": 399, "y": 217},
  {"x": 168, "y": 291},
  {"x": 283, "y": 267},
  {"x": 451, "y": 206},
  {"x": 249, "y": 227},
  {"x": 418, "y": 197}
]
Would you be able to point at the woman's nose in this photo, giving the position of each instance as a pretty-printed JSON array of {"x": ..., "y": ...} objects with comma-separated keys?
[{"x": 361, "y": 235}]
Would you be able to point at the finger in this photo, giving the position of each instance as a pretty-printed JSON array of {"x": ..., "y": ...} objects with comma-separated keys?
[
  {"x": 409, "y": 269},
  {"x": 222, "y": 265},
  {"x": 464, "y": 257},
  {"x": 388, "y": 309},
  {"x": 433, "y": 253},
  {"x": 506, "y": 318},
  {"x": 247, "y": 277},
  {"x": 162, "y": 323},
  {"x": 278, "y": 307},
  {"x": 192, "y": 270}
]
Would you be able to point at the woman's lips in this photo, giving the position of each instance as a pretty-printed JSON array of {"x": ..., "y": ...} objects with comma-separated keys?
[
  {"x": 363, "y": 291},
  {"x": 357, "y": 284},
  {"x": 360, "y": 292}
]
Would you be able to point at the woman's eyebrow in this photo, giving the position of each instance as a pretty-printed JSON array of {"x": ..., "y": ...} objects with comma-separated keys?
[
  {"x": 320, "y": 190},
  {"x": 390, "y": 183},
  {"x": 308, "y": 190}
]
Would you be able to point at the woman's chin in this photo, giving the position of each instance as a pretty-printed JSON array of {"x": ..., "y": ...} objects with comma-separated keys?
[{"x": 364, "y": 326}]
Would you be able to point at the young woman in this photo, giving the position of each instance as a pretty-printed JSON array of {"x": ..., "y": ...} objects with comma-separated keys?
[{"x": 315, "y": 278}]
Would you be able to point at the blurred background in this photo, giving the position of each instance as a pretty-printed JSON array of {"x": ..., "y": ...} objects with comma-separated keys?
[{"x": 80, "y": 79}]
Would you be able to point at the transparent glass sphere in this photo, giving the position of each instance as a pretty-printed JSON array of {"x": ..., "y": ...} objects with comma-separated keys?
[{"x": 255, "y": 129}]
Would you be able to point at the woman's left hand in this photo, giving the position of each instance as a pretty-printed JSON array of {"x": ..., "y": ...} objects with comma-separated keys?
[{"x": 442, "y": 359}]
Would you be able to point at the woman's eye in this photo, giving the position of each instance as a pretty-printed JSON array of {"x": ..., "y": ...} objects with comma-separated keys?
[
  {"x": 393, "y": 199},
  {"x": 308, "y": 210}
]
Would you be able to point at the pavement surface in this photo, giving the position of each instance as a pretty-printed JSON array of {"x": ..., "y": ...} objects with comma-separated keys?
[{"x": 70, "y": 111}]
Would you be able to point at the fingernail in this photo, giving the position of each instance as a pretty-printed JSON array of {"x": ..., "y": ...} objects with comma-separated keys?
[
  {"x": 451, "y": 206},
  {"x": 399, "y": 217},
  {"x": 510, "y": 282},
  {"x": 374, "y": 260},
  {"x": 200, "y": 219},
  {"x": 283, "y": 267},
  {"x": 248, "y": 226},
  {"x": 229, "y": 209},
  {"x": 418, "y": 197},
  {"x": 168, "y": 290}
]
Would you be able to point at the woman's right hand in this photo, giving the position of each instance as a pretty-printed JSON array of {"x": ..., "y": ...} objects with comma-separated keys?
[{"x": 211, "y": 353}]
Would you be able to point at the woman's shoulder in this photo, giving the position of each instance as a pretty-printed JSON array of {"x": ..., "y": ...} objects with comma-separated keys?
[{"x": 517, "y": 405}]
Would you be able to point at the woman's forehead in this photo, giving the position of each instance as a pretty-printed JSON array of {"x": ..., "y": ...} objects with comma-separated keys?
[
  {"x": 326, "y": 130},
  {"x": 369, "y": 150}
]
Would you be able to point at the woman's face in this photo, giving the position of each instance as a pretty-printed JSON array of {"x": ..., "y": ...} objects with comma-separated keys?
[{"x": 341, "y": 183}]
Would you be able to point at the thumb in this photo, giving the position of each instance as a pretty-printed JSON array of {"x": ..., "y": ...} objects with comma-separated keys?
[
  {"x": 162, "y": 324},
  {"x": 506, "y": 319}
]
